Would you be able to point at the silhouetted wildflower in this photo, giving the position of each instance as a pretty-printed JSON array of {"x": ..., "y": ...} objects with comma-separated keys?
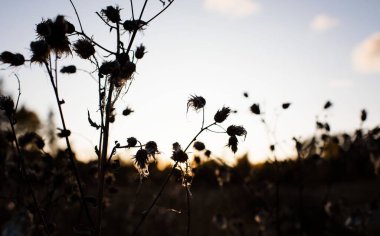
[
  {"x": 64, "y": 133},
  {"x": 7, "y": 105},
  {"x": 84, "y": 48},
  {"x": 14, "y": 59},
  {"x": 112, "y": 13},
  {"x": 233, "y": 143},
  {"x": 141, "y": 158},
  {"x": 363, "y": 115},
  {"x": 327, "y": 105},
  {"x": 199, "y": 146},
  {"x": 207, "y": 153},
  {"x": 127, "y": 111},
  {"x": 255, "y": 109},
  {"x": 109, "y": 67},
  {"x": 285, "y": 105},
  {"x": 178, "y": 154},
  {"x": 151, "y": 148},
  {"x": 132, "y": 141},
  {"x": 235, "y": 130},
  {"x": 132, "y": 25},
  {"x": 222, "y": 114},
  {"x": 69, "y": 69},
  {"x": 40, "y": 51},
  {"x": 197, "y": 102},
  {"x": 140, "y": 52},
  {"x": 127, "y": 70}
]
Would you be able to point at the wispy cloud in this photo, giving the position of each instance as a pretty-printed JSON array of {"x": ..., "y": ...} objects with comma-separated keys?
[
  {"x": 366, "y": 56},
  {"x": 234, "y": 8},
  {"x": 323, "y": 22}
]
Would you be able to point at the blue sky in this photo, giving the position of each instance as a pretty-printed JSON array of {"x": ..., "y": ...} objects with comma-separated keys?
[{"x": 303, "y": 52}]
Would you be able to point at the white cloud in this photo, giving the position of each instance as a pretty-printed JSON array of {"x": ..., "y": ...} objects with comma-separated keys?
[
  {"x": 235, "y": 8},
  {"x": 323, "y": 22},
  {"x": 366, "y": 56}
]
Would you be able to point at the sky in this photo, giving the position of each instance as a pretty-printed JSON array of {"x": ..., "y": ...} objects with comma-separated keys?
[{"x": 302, "y": 52}]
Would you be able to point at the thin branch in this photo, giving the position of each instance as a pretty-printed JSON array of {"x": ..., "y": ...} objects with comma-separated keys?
[
  {"x": 133, "y": 14},
  {"x": 159, "y": 13},
  {"x": 76, "y": 13},
  {"x": 19, "y": 91},
  {"x": 98, "y": 45}
]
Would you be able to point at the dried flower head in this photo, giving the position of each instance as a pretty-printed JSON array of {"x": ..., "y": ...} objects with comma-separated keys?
[
  {"x": 286, "y": 105},
  {"x": 14, "y": 59},
  {"x": 327, "y": 105},
  {"x": 140, "y": 51},
  {"x": 199, "y": 146},
  {"x": 127, "y": 69},
  {"x": 178, "y": 154},
  {"x": 69, "y": 69},
  {"x": 127, "y": 111},
  {"x": 255, "y": 109},
  {"x": 233, "y": 143},
  {"x": 222, "y": 114},
  {"x": 141, "y": 158},
  {"x": 112, "y": 14},
  {"x": 84, "y": 48},
  {"x": 44, "y": 29},
  {"x": 197, "y": 102},
  {"x": 109, "y": 67},
  {"x": 151, "y": 148},
  {"x": 40, "y": 50},
  {"x": 7, "y": 105},
  {"x": 132, "y": 141},
  {"x": 132, "y": 25},
  {"x": 363, "y": 115},
  {"x": 235, "y": 130}
]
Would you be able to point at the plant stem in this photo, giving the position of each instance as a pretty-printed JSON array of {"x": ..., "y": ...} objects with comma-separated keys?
[
  {"x": 24, "y": 177},
  {"x": 70, "y": 152}
]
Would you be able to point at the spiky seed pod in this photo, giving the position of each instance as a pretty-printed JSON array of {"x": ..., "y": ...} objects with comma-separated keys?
[
  {"x": 44, "y": 29},
  {"x": 141, "y": 158},
  {"x": 199, "y": 146},
  {"x": 233, "y": 143},
  {"x": 132, "y": 141},
  {"x": 7, "y": 105},
  {"x": 255, "y": 109},
  {"x": 235, "y": 130},
  {"x": 14, "y": 59},
  {"x": 151, "y": 148},
  {"x": 112, "y": 13},
  {"x": 180, "y": 156},
  {"x": 122, "y": 58},
  {"x": 69, "y": 69},
  {"x": 40, "y": 50},
  {"x": 127, "y": 111},
  {"x": 127, "y": 70},
  {"x": 109, "y": 67},
  {"x": 84, "y": 48},
  {"x": 196, "y": 102},
  {"x": 222, "y": 114},
  {"x": 132, "y": 25},
  {"x": 140, "y": 52}
]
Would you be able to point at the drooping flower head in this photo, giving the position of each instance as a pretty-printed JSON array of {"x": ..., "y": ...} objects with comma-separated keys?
[
  {"x": 222, "y": 114},
  {"x": 196, "y": 102}
]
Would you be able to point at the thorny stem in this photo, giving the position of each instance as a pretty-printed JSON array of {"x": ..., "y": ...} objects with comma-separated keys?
[
  {"x": 70, "y": 152},
  {"x": 25, "y": 178},
  {"x": 145, "y": 214}
]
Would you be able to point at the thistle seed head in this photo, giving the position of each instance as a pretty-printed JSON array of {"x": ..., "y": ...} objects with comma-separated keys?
[
  {"x": 199, "y": 146},
  {"x": 233, "y": 143},
  {"x": 132, "y": 141},
  {"x": 84, "y": 48},
  {"x": 111, "y": 14},
  {"x": 14, "y": 59},
  {"x": 40, "y": 51},
  {"x": 140, "y": 52},
  {"x": 196, "y": 102},
  {"x": 141, "y": 158},
  {"x": 222, "y": 114},
  {"x": 235, "y": 130}
]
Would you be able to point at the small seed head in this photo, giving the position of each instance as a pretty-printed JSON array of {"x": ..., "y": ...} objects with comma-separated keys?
[
  {"x": 112, "y": 14},
  {"x": 140, "y": 52},
  {"x": 235, "y": 130},
  {"x": 222, "y": 114},
  {"x": 84, "y": 48},
  {"x": 196, "y": 102}
]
